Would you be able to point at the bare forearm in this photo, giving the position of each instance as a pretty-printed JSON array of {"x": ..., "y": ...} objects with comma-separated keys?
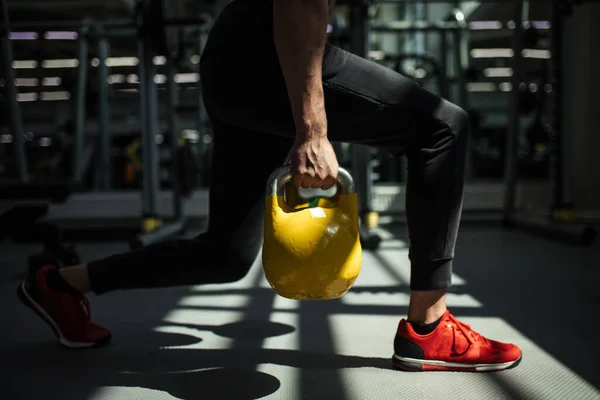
[{"x": 300, "y": 31}]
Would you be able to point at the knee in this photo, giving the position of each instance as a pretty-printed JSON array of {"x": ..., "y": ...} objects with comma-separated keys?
[
  {"x": 229, "y": 267},
  {"x": 237, "y": 270},
  {"x": 458, "y": 121},
  {"x": 241, "y": 256},
  {"x": 236, "y": 274}
]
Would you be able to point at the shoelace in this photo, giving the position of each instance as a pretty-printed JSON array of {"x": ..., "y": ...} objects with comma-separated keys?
[
  {"x": 82, "y": 304},
  {"x": 466, "y": 331},
  {"x": 85, "y": 304}
]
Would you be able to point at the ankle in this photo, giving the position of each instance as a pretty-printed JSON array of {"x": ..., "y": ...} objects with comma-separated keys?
[
  {"x": 76, "y": 277},
  {"x": 425, "y": 329},
  {"x": 426, "y": 307}
]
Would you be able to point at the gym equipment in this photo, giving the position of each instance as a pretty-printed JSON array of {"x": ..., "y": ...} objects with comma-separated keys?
[
  {"x": 153, "y": 26},
  {"x": 559, "y": 225},
  {"x": 528, "y": 101},
  {"x": 369, "y": 239},
  {"x": 24, "y": 203},
  {"x": 22, "y": 220},
  {"x": 54, "y": 251},
  {"x": 129, "y": 164},
  {"x": 423, "y": 62},
  {"x": 531, "y": 37},
  {"x": 187, "y": 170},
  {"x": 565, "y": 7},
  {"x": 53, "y": 192},
  {"x": 153, "y": 20},
  {"x": 150, "y": 23},
  {"x": 104, "y": 164},
  {"x": 77, "y": 165},
  {"x": 11, "y": 104},
  {"x": 363, "y": 163},
  {"x": 153, "y": 228},
  {"x": 311, "y": 249}
]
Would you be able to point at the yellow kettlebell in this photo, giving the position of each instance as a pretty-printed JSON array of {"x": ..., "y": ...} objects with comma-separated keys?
[{"x": 311, "y": 250}]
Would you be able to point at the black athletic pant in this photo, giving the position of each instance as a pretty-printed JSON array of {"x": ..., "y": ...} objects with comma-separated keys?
[{"x": 246, "y": 97}]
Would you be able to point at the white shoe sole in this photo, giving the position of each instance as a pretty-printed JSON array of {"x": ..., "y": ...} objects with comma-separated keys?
[{"x": 415, "y": 364}]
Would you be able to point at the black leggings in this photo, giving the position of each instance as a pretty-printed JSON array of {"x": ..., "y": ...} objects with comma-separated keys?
[{"x": 246, "y": 98}]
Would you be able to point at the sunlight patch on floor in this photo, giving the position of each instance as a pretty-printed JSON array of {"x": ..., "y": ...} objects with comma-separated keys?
[
  {"x": 128, "y": 393},
  {"x": 384, "y": 298},
  {"x": 288, "y": 341},
  {"x": 205, "y": 299}
]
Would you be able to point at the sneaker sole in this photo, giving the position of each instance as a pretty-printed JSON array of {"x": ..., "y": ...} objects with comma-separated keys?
[
  {"x": 28, "y": 301},
  {"x": 417, "y": 365}
]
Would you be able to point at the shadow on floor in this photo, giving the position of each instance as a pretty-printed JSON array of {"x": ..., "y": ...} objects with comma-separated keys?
[
  {"x": 185, "y": 374},
  {"x": 545, "y": 292},
  {"x": 138, "y": 358}
]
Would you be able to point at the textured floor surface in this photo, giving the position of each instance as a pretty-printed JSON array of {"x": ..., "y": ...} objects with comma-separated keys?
[{"x": 241, "y": 341}]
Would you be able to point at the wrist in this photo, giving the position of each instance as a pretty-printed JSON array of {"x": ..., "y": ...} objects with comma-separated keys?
[
  {"x": 312, "y": 123},
  {"x": 311, "y": 130},
  {"x": 308, "y": 108}
]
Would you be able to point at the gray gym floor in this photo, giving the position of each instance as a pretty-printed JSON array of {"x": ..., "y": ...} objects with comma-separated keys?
[{"x": 241, "y": 341}]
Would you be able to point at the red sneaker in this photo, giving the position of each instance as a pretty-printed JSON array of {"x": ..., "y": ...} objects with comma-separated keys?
[
  {"x": 67, "y": 313},
  {"x": 452, "y": 346}
]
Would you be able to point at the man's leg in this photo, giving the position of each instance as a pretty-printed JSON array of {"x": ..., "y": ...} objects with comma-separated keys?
[
  {"x": 369, "y": 104},
  {"x": 224, "y": 253},
  {"x": 240, "y": 167}
]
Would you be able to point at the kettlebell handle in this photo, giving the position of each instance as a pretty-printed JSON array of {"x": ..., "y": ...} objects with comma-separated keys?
[{"x": 283, "y": 175}]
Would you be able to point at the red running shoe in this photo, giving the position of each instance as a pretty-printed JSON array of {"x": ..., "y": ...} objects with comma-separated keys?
[
  {"x": 66, "y": 312},
  {"x": 452, "y": 346}
]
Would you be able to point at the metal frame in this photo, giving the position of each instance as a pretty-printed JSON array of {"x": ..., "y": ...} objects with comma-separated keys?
[
  {"x": 109, "y": 26},
  {"x": 512, "y": 137},
  {"x": 581, "y": 234},
  {"x": 23, "y": 204},
  {"x": 14, "y": 110},
  {"x": 149, "y": 126},
  {"x": 80, "y": 106},
  {"x": 203, "y": 124},
  {"x": 172, "y": 96},
  {"x": 561, "y": 160},
  {"x": 103, "y": 171},
  {"x": 362, "y": 157},
  {"x": 102, "y": 31},
  {"x": 151, "y": 186}
]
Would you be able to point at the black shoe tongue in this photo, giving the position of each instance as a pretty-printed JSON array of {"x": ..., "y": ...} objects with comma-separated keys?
[{"x": 424, "y": 329}]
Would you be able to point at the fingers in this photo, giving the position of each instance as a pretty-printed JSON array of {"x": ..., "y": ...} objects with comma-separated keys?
[
  {"x": 307, "y": 178},
  {"x": 315, "y": 183},
  {"x": 328, "y": 182},
  {"x": 297, "y": 180},
  {"x": 309, "y": 181},
  {"x": 314, "y": 168}
]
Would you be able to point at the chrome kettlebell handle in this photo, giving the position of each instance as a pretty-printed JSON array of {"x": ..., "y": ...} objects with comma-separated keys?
[{"x": 282, "y": 175}]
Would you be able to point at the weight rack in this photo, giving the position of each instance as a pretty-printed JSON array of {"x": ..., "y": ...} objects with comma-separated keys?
[
  {"x": 559, "y": 224},
  {"x": 153, "y": 228}
]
